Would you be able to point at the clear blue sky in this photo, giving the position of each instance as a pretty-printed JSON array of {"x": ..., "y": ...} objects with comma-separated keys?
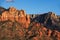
[{"x": 34, "y": 6}]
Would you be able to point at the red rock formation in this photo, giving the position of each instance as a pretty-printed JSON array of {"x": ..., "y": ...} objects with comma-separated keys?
[
  {"x": 19, "y": 26},
  {"x": 44, "y": 29},
  {"x": 16, "y": 16},
  {"x": 23, "y": 18},
  {"x": 4, "y": 16},
  {"x": 28, "y": 19},
  {"x": 12, "y": 12},
  {"x": 40, "y": 34},
  {"x": 35, "y": 38},
  {"x": 13, "y": 15},
  {"x": 58, "y": 36},
  {"x": 49, "y": 32},
  {"x": 0, "y": 17}
]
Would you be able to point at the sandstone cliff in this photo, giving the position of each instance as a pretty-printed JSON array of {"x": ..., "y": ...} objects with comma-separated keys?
[
  {"x": 13, "y": 15},
  {"x": 17, "y": 25}
]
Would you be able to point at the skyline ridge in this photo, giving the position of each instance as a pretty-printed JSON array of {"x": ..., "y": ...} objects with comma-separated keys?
[{"x": 34, "y": 6}]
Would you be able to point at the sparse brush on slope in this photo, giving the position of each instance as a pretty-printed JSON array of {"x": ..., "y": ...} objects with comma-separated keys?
[{"x": 16, "y": 25}]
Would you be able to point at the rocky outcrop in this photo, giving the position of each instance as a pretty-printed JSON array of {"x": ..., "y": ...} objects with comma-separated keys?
[
  {"x": 15, "y": 31},
  {"x": 13, "y": 14},
  {"x": 50, "y": 20},
  {"x": 17, "y": 25}
]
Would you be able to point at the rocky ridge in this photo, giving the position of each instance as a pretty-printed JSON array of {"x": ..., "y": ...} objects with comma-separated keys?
[{"x": 17, "y": 25}]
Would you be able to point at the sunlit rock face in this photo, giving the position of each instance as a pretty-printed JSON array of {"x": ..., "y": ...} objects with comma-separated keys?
[
  {"x": 17, "y": 25},
  {"x": 13, "y": 15},
  {"x": 16, "y": 16},
  {"x": 28, "y": 19},
  {"x": 52, "y": 14},
  {"x": 12, "y": 12},
  {"x": 22, "y": 13},
  {"x": 4, "y": 16},
  {"x": 23, "y": 18}
]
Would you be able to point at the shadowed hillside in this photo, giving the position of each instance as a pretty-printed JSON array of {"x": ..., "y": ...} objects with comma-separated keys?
[
  {"x": 17, "y": 25},
  {"x": 50, "y": 20}
]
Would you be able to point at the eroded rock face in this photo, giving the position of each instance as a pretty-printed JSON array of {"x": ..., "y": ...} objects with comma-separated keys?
[
  {"x": 16, "y": 15},
  {"x": 14, "y": 31},
  {"x": 17, "y": 25},
  {"x": 50, "y": 20},
  {"x": 22, "y": 16},
  {"x": 12, "y": 12},
  {"x": 4, "y": 16}
]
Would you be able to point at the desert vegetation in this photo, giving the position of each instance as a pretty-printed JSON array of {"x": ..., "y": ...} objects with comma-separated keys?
[{"x": 17, "y": 25}]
